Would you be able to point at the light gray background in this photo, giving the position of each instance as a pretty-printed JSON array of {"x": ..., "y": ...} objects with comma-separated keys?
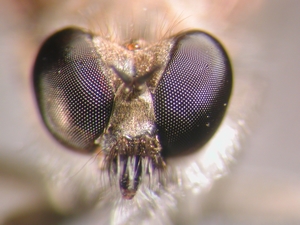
[
  {"x": 268, "y": 172},
  {"x": 264, "y": 185}
]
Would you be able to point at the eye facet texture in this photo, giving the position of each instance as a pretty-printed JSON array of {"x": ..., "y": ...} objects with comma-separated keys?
[
  {"x": 191, "y": 97},
  {"x": 73, "y": 94}
]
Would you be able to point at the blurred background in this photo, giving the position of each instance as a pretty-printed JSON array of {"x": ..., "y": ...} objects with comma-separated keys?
[{"x": 263, "y": 185}]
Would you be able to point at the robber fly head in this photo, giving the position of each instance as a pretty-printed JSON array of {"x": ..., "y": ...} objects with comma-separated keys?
[{"x": 139, "y": 105}]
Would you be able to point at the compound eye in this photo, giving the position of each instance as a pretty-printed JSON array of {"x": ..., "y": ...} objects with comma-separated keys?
[
  {"x": 192, "y": 95},
  {"x": 74, "y": 96}
]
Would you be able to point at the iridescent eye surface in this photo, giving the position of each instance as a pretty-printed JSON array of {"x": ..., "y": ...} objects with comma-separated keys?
[
  {"x": 73, "y": 93},
  {"x": 191, "y": 97}
]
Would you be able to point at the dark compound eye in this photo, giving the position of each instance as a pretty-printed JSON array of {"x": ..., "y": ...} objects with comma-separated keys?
[
  {"x": 73, "y": 94},
  {"x": 191, "y": 98}
]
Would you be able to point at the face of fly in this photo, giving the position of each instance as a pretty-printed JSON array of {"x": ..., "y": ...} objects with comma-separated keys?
[
  {"x": 130, "y": 142},
  {"x": 140, "y": 104}
]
